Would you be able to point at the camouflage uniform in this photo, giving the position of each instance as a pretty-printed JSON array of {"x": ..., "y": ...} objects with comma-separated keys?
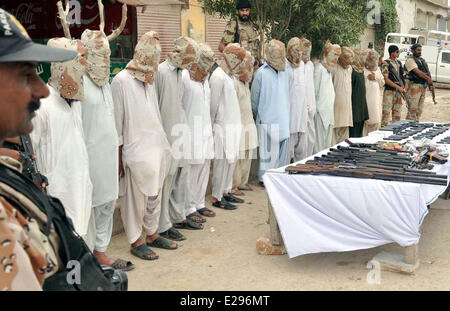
[
  {"x": 249, "y": 37},
  {"x": 416, "y": 96},
  {"x": 416, "y": 93},
  {"x": 392, "y": 102}
]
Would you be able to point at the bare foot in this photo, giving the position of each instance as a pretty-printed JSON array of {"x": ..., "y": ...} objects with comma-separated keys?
[{"x": 103, "y": 259}]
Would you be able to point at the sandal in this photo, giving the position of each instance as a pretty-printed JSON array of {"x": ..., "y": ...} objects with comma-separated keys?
[
  {"x": 246, "y": 188},
  {"x": 162, "y": 243},
  {"x": 232, "y": 199},
  {"x": 144, "y": 252},
  {"x": 239, "y": 193},
  {"x": 188, "y": 225},
  {"x": 206, "y": 212},
  {"x": 196, "y": 217},
  {"x": 121, "y": 264},
  {"x": 173, "y": 234},
  {"x": 224, "y": 205}
]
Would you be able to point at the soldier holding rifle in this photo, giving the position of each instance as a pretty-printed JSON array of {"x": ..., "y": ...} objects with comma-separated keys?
[{"x": 419, "y": 78}]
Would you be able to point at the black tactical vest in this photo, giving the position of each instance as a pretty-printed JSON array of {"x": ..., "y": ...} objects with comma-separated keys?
[{"x": 413, "y": 77}]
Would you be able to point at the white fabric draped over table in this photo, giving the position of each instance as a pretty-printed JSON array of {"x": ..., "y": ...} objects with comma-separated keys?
[{"x": 318, "y": 214}]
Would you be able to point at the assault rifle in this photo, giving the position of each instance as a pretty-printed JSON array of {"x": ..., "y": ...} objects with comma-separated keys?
[
  {"x": 365, "y": 173},
  {"x": 30, "y": 169}
]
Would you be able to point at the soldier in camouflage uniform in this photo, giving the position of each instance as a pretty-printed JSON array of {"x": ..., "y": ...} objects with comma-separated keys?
[
  {"x": 392, "y": 99},
  {"x": 419, "y": 78},
  {"x": 242, "y": 30}
]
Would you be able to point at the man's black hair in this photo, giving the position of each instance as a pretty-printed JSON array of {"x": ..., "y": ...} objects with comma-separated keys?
[
  {"x": 393, "y": 49},
  {"x": 415, "y": 46}
]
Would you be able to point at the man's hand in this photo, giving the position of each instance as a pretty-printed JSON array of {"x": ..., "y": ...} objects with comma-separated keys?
[
  {"x": 431, "y": 87},
  {"x": 371, "y": 76},
  {"x": 121, "y": 170},
  {"x": 10, "y": 153},
  {"x": 401, "y": 90}
]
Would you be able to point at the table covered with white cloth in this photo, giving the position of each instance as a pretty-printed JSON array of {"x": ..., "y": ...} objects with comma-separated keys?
[{"x": 319, "y": 213}]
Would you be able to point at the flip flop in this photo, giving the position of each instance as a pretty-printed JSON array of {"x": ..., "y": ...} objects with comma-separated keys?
[
  {"x": 173, "y": 234},
  {"x": 246, "y": 188},
  {"x": 143, "y": 252},
  {"x": 124, "y": 265},
  {"x": 162, "y": 243},
  {"x": 239, "y": 193},
  {"x": 232, "y": 199},
  {"x": 206, "y": 212},
  {"x": 224, "y": 205},
  {"x": 195, "y": 214},
  {"x": 188, "y": 225}
]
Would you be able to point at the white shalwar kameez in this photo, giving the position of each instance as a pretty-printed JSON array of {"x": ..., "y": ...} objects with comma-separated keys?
[
  {"x": 196, "y": 99},
  {"x": 62, "y": 157},
  {"x": 227, "y": 127},
  {"x": 324, "y": 118},
  {"x": 310, "y": 99},
  {"x": 343, "y": 115},
  {"x": 298, "y": 111},
  {"x": 145, "y": 153},
  {"x": 169, "y": 89},
  {"x": 102, "y": 146},
  {"x": 374, "y": 101}
]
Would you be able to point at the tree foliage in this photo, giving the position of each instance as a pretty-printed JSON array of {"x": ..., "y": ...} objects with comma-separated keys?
[
  {"x": 341, "y": 21},
  {"x": 388, "y": 23}
]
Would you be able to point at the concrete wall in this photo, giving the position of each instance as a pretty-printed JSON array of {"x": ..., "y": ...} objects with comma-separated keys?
[
  {"x": 193, "y": 22},
  {"x": 406, "y": 13}
]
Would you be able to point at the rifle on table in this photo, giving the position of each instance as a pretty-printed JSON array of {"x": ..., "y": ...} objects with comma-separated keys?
[
  {"x": 30, "y": 169},
  {"x": 364, "y": 173}
]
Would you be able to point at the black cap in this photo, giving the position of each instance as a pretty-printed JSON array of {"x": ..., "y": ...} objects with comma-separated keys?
[
  {"x": 415, "y": 46},
  {"x": 16, "y": 45},
  {"x": 243, "y": 4}
]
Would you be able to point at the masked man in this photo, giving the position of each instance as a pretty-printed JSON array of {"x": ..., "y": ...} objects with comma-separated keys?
[
  {"x": 270, "y": 105},
  {"x": 249, "y": 136},
  {"x": 144, "y": 151},
  {"x": 169, "y": 88},
  {"x": 58, "y": 137},
  {"x": 102, "y": 145},
  {"x": 419, "y": 77},
  {"x": 226, "y": 121},
  {"x": 325, "y": 96},
  {"x": 310, "y": 98},
  {"x": 359, "y": 105},
  {"x": 297, "y": 97},
  {"x": 197, "y": 102},
  {"x": 342, "y": 81},
  {"x": 374, "y": 84}
]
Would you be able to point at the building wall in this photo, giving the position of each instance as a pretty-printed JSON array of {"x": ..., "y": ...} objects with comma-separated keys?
[
  {"x": 193, "y": 22},
  {"x": 406, "y": 13}
]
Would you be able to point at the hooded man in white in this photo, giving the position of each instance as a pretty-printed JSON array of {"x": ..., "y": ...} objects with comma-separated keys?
[
  {"x": 325, "y": 96},
  {"x": 169, "y": 89},
  {"x": 58, "y": 140},
  {"x": 144, "y": 151},
  {"x": 226, "y": 121},
  {"x": 310, "y": 98},
  {"x": 102, "y": 144},
  {"x": 197, "y": 102},
  {"x": 297, "y": 99}
]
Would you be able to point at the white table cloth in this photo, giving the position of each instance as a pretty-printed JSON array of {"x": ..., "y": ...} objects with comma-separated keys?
[{"x": 318, "y": 214}]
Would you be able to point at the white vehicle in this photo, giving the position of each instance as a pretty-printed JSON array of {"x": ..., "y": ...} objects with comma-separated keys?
[{"x": 437, "y": 57}]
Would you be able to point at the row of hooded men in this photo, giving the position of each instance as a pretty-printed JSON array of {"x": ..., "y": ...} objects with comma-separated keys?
[{"x": 161, "y": 125}]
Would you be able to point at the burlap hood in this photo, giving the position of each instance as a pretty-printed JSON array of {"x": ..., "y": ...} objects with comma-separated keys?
[
  {"x": 246, "y": 68},
  {"x": 330, "y": 55},
  {"x": 98, "y": 58},
  {"x": 67, "y": 77},
  {"x": 184, "y": 52},
  {"x": 347, "y": 57},
  {"x": 200, "y": 69},
  {"x": 372, "y": 60},
  {"x": 147, "y": 54},
  {"x": 295, "y": 50},
  {"x": 276, "y": 55},
  {"x": 360, "y": 60},
  {"x": 233, "y": 55},
  {"x": 307, "y": 48}
]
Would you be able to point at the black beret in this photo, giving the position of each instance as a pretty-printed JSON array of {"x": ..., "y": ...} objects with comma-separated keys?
[{"x": 243, "y": 4}]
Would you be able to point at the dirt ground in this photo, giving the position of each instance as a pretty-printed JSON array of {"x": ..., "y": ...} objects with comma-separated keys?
[{"x": 223, "y": 256}]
